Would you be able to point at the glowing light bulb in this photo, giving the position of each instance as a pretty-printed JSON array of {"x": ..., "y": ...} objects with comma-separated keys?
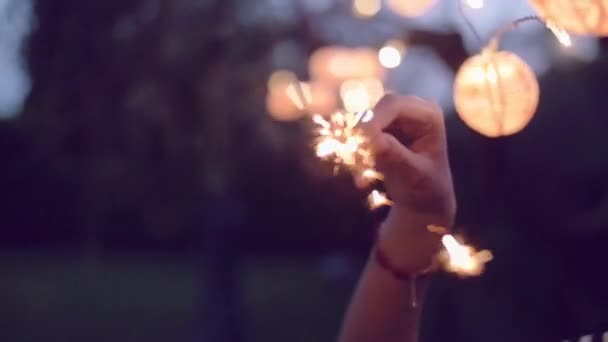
[
  {"x": 366, "y": 8},
  {"x": 411, "y": 8}
]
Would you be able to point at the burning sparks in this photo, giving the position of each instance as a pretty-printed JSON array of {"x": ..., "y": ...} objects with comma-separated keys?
[
  {"x": 340, "y": 142},
  {"x": 462, "y": 259},
  {"x": 376, "y": 199}
]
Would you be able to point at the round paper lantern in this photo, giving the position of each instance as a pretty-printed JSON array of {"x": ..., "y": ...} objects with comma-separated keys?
[
  {"x": 411, "y": 8},
  {"x": 335, "y": 64},
  {"x": 496, "y": 93},
  {"x": 589, "y": 17}
]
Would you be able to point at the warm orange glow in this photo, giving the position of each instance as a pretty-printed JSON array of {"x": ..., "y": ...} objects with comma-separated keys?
[
  {"x": 411, "y": 8},
  {"x": 496, "y": 93},
  {"x": 360, "y": 95},
  {"x": 282, "y": 100},
  {"x": 579, "y": 16},
  {"x": 335, "y": 64},
  {"x": 463, "y": 259},
  {"x": 366, "y": 8},
  {"x": 377, "y": 199},
  {"x": 391, "y": 54},
  {"x": 321, "y": 97}
]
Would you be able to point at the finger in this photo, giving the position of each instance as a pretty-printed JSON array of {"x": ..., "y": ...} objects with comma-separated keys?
[
  {"x": 387, "y": 147},
  {"x": 413, "y": 116}
]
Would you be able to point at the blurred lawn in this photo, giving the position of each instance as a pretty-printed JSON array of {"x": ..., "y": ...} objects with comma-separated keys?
[{"x": 62, "y": 298}]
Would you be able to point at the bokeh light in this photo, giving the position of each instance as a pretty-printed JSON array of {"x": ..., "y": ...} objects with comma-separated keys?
[
  {"x": 284, "y": 97},
  {"x": 359, "y": 95},
  {"x": 579, "y": 16},
  {"x": 322, "y": 98},
  {"x": 336, "y": 64},
  {"x": 411, "y": 8},
  {"x": 366, "y": 8},
  {"x": 391, "y": 54},
  {"x": 496, "y": 93}
]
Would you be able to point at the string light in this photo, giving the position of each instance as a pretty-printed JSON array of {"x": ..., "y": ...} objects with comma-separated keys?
[
  {"x": 391, "y": 54},
  {"x": 496, "y": 93},
  {"x": 589, "y": 17},
  {"x": 411, "y": 8},
  {"x": 336, "y": 64},
  {"x": 366, "y": 8},
  {"x": 475, "y": 4}
]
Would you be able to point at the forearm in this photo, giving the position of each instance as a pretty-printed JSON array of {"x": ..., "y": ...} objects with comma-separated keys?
[{"x": 381, "y": 308}]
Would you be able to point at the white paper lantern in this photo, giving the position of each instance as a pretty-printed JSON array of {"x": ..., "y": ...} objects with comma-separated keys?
[{"x": 496, "y": 93}]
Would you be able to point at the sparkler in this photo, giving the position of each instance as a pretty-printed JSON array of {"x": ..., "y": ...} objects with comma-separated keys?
[
  {"x": 377, "y": 199},
  {"x": 462, "y": 259},
  {"x": 340, "y": 141}
]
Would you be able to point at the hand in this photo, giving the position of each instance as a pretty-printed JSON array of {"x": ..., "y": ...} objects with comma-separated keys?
[{"x": 407, "y": 137}]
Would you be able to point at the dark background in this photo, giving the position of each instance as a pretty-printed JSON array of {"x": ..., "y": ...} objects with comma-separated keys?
[{"x": 147, "y": 196}]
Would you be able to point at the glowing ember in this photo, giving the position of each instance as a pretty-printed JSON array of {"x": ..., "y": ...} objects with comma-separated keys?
[
  {"x": 377, "y": 199},
  {"x": 462, "y": 259}
]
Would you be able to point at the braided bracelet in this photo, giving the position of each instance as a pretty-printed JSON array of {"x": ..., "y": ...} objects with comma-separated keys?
[{"x": 383, "y": 260}]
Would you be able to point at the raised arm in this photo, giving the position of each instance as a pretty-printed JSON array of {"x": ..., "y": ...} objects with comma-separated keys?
[{"x": 407, "y": 135}]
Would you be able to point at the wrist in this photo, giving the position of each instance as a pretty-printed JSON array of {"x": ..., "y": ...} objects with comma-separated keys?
[{"x": 405, "y": 240}]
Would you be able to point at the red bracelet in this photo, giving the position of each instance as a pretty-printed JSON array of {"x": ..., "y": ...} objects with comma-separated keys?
[{"x": 382, "y": 259}]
